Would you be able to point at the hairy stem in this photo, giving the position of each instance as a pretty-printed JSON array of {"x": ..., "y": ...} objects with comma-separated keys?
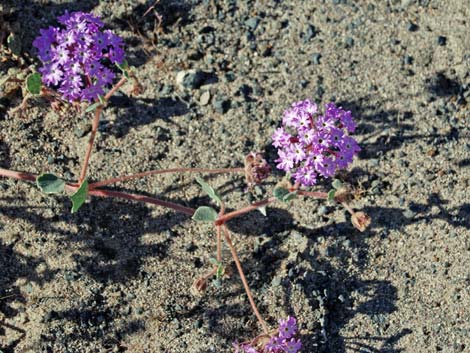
[
  {"x": 163, "y": 171},
  {"x": 94, "y": 128},
  {"x": 135, "y": 197},
  {"x": 243, "y": 278},
  {"x": 219, "y": 245},
  {"x": 104, "y": 193},
  {"x": 224, "y": 218},
  {"x": 348, "y": 208},
  {"x": 115, "y": 88},
  {"x": 314, "y": 194}
]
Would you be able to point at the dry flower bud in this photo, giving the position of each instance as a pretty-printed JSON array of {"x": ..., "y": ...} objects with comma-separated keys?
[
  {"x": 343, "y": 194},
  {"x": 360, "y": 221},
  {"x": 200, "y": 285},
  {"x": 256, "y": 169}
]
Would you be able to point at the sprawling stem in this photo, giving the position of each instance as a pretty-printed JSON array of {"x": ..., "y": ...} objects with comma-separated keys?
[
  {"x": 314, "y": 194},
  {"x": 219, "y": 245},
  {"x": 243, "y": 278},
  {"x": 224, "y": 218},
  {"x": 135, "y": 197},
  {"x": 115, "y": 88},
  {"x": 163, "y": 171},
  {"x": 17, "y": 175},
  {"x": 104, "y": 193},
  {"x": 347, "y": 207},
  {"x": 94, "y": 128}
]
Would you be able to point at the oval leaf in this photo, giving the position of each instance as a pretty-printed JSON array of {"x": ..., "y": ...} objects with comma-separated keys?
[
  {"x": 337, "y": 184},
  {"x": 92, "y": 107},
  {"x": 79, "y": 197},
  {"x": 33, "y": 83},
  {"x": 279, "y": 193},
  {"x": 205, "y": 214},
  {"x": 209, "y": 191},
  {"x": 284, "y": 195},
  {"x": 290, "y": 196},
  {"x": 50, "y": 183},
  {"x": 331, "y": 195}
]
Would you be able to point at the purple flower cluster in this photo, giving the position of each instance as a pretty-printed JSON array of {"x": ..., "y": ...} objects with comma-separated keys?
[
  {"x": 75, "y": 57},
  {"x": 284, "y": 342},
  {"x": 318, "y": 145}
]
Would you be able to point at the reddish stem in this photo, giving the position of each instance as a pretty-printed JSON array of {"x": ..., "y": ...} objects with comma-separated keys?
[
  {"x": 163, "y": 171},
  {"x": 17, "y": 175},
  {"x": 94, "y": 128},
  {"x": 104, "y": 193},
  {"x": 314, "y": 194},
  {"x": 224, "y": 218},
  {"x": 348, "y": 208},
  {"x": 219, "y": 245},
  {"x": 243, "y": 278},
  {"x": 135, "y": 197}
]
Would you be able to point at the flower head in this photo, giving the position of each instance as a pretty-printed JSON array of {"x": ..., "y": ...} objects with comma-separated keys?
[
  {"x": 287, "y": 327},
  {"x": 311, "y": 146},
  {"x": 360, "y": 220},
  {"x": 75, "y": 56}
]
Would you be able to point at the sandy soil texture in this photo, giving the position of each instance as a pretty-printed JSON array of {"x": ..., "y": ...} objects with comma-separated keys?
[{"x": 117, "y": 275}]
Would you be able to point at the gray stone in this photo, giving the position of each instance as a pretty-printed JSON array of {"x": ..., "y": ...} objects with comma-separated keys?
[
  {"x": 205, "y": 98},
  {"x": 190, "y": 79},
  {"x": 252, "y": 23},
  {"x": 221, "y": 105}
]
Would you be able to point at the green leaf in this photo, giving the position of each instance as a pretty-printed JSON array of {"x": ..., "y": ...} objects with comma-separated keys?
[
  {"x": 279, "y": 193},
  {"x": 209, "y": 191},
  {"x": 50, "y": 183},
  {"x": 290, "y": 196},
  {"x": 205, "y": 214},
  {"x": 337, "y": 184},
  {"x": 331, "y": 195},
  {"x": 284, "y": 195},
  {"x": 33, "y": 83},
  {"x": 214, "y": 261},
  {"x": 220, "y": 271},
  {"x": 124, "y": 67},
  {"x": 79, "y": 197},
  {"x": 217, "y": 283},
  {"x": 92, "y": 107}
]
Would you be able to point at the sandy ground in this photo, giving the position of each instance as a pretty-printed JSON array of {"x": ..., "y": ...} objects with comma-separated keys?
[{"x": 116, "y": 276}]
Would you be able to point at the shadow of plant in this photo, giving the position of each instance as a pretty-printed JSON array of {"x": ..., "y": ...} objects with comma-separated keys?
[
  {"x": 14, "y": 266},
  {"x": 134, "y": 112}
]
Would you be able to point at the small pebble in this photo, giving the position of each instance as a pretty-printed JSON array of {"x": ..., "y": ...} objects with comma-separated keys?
[
  {"x": 441, "y": 40},
  {"x": 205, "y": 98},
  {"x": 316, "y": 58},
  {"x": 221, "y": 105},
  {"x": 252, "y": 23},
  {"x": 349, "y": 42},
  {"x": 411, "y": 27},
  {"x": 322, "y": 210}
]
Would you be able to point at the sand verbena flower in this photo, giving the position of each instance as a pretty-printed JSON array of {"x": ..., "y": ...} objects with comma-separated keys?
[
  {"x": 311, "y": 145},
  {"x": 76, "y": 58}
]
